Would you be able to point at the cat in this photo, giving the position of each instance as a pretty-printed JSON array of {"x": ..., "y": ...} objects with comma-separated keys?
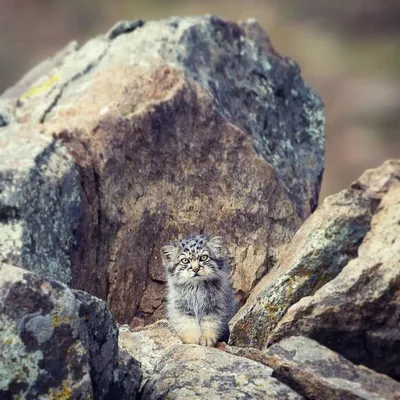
[{"x": 200, "y": 299}]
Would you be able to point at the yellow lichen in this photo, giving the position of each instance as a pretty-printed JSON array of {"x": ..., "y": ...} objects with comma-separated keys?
[
  {"x": 58, "y": 320},
  {"x": 41, "y": 88},
  {"x": 62, "y": 394}
]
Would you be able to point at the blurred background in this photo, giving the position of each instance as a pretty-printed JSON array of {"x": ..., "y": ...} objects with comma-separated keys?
[{"x": 349, "y": 52}]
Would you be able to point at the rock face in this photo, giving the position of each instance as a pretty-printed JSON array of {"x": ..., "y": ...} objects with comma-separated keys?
[
  {"x": 40, "y": 205},
  {"x": 319, "y": 373},
  {"x": 148, "y": 344},
  {"x": 161, "y": 129},
  {"x": 129, "y": 377},
  {"x": 157, "y": 130},
  {"x": 357, "y": 314},
  {"x": 57, "y": 343},
  {"x": 320, "y": 249},
  {"x": 190, "y": 371},
  {"x": 172, "y": 370}
]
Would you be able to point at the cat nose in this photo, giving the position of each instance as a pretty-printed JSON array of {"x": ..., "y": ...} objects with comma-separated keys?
[{"x": 195, "y": 267}]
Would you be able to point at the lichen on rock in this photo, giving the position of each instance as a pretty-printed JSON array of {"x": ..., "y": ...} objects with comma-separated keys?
[
  {"x": 160, "y": 129},
  {"x": 320, "y": 249},
  {"x": 357, "y": 313},
  {"x": 57, "y": 343}
]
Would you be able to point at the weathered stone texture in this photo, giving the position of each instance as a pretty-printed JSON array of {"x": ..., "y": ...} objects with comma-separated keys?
[
  {"x": 357, "y": 314},
  {"x": 190, "y": 371},
  {"x": 323, "y": 245},
  {"x": 176, "y": 126},
  {"x": 57, "y": 343},
  {"x": 319, "y": 373},
  {"x": 40, "y": 205},
  {"x": 148, "y": 344}
]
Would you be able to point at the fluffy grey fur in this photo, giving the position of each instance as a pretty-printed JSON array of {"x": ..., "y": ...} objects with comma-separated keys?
[{"x": 200, "y": 300}]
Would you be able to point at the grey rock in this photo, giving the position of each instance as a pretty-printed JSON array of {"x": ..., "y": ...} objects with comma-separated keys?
[
  {"x": 357, "y": 314},
  {"x": 122, "y": 27},
  {"x": 190, "y": 371},
  {"x": 40, "y": 202},
  {"x": 174, "y": 126},
  {"x": 57, "y": 343},
  {"x": 128, "y": 378},
  {"x": 318, "y": 373},
  {"x": 148, "y": 344},
  {"x": 323, "y": 245}
]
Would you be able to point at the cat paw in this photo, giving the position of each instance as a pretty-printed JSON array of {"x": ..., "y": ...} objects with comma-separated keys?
[
  {"x": 207, "y": 341},
  {"x": 190, "y": 338}
]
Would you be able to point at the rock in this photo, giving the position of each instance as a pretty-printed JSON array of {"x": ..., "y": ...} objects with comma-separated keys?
[
  {"x": 170, "y": 127},
  {"x": 247, "y": 352},
  {"x": 40, "y": 205},
  {"x": 173, "y": 370},
  {"x": 148, "y": 344},
  {"x": 56, "y": 342},
  {"x": 357, "y": 314},
  {"x": 319, "y": 373},
  {"x": 323, "y": 245},
  {"x": 191, "y": 371},
  {"x": 129, "y": 376}
]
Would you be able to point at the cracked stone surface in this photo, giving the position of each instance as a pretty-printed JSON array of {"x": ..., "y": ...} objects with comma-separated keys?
[
  {"x": 357, "y": 314},
  {"x": 190, "y": 371},
  {"x": 323, "y": 245},
  {"x": 176, "y": 126},
  {"x": 40, "y": 201},
  {"x": 172, "y": 370},
  {"x": 57, "y": 343},
  {"x": 147, "y": 344},
  {"x": 319, "y": 373}
]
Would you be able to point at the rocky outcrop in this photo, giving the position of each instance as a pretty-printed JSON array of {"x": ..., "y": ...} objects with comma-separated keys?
[
  {"x": 172, "y": 370},
  {"x": 58, "y": 343},
  {"x": 40, "y": 205},
  {"x": 319, "y": 373},
  {"x": 190, "y": 371},
  {"x": 147, "y": 344},
  {"x": 358, "y": 313},
  {"x": 320, "y": 249},
  {"x": 153, "y": 131},
  {"x": 129, "y": 375}
]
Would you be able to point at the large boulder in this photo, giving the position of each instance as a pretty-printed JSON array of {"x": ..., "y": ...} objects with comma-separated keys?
[
  {"x": 323, "y": 245},
  {"x": 40, "y": 204},
  {"x": 319, "y": 373},
  {"x": 357, "y": 314},
  {"x": 156, "y": 130},
  {"x": 58, "y": 343},
  {"x": 191, "y": 371},
  {"x": 172, "y": 370}
]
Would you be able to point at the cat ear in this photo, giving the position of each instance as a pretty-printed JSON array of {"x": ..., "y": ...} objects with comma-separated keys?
[
  {"x": 168, "y": 253},
  {"x": 216, "y": 245}
]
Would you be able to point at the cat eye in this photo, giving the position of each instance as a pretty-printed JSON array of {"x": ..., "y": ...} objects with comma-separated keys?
[
  {"x": 204, "y": 257},
  {"x": 185, "y": 261}
]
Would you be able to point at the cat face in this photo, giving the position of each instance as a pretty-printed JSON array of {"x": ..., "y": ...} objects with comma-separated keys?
[{"x": 194, "y": 259}]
